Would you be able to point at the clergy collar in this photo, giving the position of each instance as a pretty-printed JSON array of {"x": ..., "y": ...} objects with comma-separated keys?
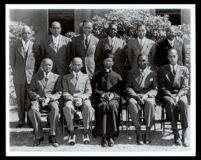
[{"x": 108, "y": 70}]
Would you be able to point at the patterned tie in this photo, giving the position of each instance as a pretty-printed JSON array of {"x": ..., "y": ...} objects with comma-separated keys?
[{"x": 86, "y": 43}]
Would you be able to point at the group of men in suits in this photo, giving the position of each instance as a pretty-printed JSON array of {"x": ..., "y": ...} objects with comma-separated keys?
[{"x": 76, "y": 69}]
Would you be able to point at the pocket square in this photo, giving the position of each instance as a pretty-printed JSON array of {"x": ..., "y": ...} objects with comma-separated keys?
[{"x": 151, "y": 79}]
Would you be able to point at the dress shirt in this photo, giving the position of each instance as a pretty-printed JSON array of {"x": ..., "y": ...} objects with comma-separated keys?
[
  {"x": 76, "y": 74},
  {"x": 55, "y": 41},
  {"x": 173, "y": 68},
  {"x": 111, "y": 40},
  {"x": 25, "y": 45},
  {"x": 141, "y": 41},
  {"x": 171, "y": 42}
]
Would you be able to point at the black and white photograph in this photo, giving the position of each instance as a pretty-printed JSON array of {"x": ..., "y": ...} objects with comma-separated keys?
[{"x": 100, "y": 80}]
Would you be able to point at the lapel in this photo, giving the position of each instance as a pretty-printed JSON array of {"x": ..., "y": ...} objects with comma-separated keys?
[
  {"x": 50, "y": 79},
  {"x": 145, "y": 45},
  {"x": 81, "y": 38},
  {"x": 60, "y": 43},
  {"x": 115, "y": 45},
  {"x": 138, "y": 77},
  {"x": 108, "y": 43},
  {"x": 73, "y": 80},
  {"x": 90, "y": 43},
  {"x": 169, "y": 74},
  {"x": 176, "y": 77},
  {"x": 50, "y": 42},
  {"x": 138, "y": 45},
  {"x": 21, "y": 49},
  {"x": 79, "y": 79},
  {"x": 30, "y": 48}
]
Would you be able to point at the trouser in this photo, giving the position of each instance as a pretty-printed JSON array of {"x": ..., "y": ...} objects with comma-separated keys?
[
  {"x": 34, "y": 114},
  {"x": 172, "y": 111},
  {"x": 149, "y": 111},
  {"x": 69, "y": 110},
  {"x": 22, "y": 100}
]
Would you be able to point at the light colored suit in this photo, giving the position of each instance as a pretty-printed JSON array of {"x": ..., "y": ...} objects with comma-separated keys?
[
  {"x": 23, "y": 65},
  {"x": 80, "y": 88},
  {"x": 134, "y": 49},
  {"x": 117, "y": 53},
  {"x": 172, "y": 85},
  {"x": 146, "y": 85},
  {"x": 40, "y": 88},
  {"x": 87, "y": 55},
  {"x": 61, "y": 55}
]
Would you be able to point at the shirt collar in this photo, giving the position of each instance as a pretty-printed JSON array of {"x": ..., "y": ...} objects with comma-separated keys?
[
  {"x": 55, "y": 38},
  {"x": 171, "y": 42},
  {"x": 110, "y": 38},
  {"x": 46, "y": 75},
  {"x": 89, "y": 36},
  {"x": 108, "y": 70},
  {"x": 25, "y": 43},
  {"x": 139, "y": 39},
  {"x": 74, "y": 73},
  {"x": 143, "y": 71},
  {"x": 175, "y": 66}
]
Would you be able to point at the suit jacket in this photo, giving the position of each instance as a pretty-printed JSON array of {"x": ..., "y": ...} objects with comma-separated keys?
[
  {"x": 117, "y": 52},
  {"x": 40, "y": 88},
  {"x": 103, "y": 82},
  {"x": 134, "y": 49},
  {"x": 87, "y": 55},
  {"x": 61, "y": 58},
  {"x": 173, "y": 84},
  {"x": 161, "y": 52},
  {"x": 72, "y": 87},
  {"x": 23, "y": 65},
  {"x": 146, "y": 85}
]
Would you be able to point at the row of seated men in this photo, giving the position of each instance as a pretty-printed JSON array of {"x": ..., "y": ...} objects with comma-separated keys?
[{"x": 107, "y": 88}]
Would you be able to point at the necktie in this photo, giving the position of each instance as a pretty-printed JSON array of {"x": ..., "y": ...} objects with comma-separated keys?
[
  {"x": 174, "y": 70},
  {"x": 86, "y": 43},
  {"x": 76, "y": 76},
  {"x": 46, "y": 78}
]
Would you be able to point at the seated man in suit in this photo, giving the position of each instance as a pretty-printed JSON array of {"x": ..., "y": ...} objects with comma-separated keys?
[
  {"x": 173, "y": 87},
  {"x": 141, "y": 90},
  {"x": 45, "y": 93},
  {"x": 76, "y": 94},
  {"x": 107, "y": 87}
]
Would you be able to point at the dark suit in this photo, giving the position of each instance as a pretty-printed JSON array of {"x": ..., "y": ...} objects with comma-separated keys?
[
  {"x": 161, "y": 52},
  {"x": 87, "y": 55},
  {"x": 40, "y": 88},
  {"x": 117, "y": 53},
  {"x": 146, "y": 85},
  {"x": 107, "y": 113},
  {"x": 172, "y": 85},
  {"x": 24, "y": 65},
  {"x": 61, "y": 55}
]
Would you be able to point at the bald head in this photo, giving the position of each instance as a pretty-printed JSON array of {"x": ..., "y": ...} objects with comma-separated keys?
[
  {"x": 55, "y": 28},
  {"x": 26, "y": 33},
  {"x": 77, "y": 64},
  {"x": 47, "y": 65}
]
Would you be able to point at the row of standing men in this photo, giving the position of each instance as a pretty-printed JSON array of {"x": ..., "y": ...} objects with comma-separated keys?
[{"x": 26, "y": 57}]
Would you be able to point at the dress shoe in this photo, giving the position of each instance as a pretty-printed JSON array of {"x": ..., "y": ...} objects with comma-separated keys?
[
  {"x": 53, "y": 141},
  {"x": 85, "y": 137},
  {"x": 177, "y": 141},
  {"x": 147, "y": 138},
  {"x": 139, "y": 138},
  {"x": 104, "y": 142},
  {"x": 110, "y": 142},
  {"x": 37, "y": 141},
  {"x": 71, "y": 139},
  {"x": 19, "y": 125},
  {"x": 184, "y": 138}
]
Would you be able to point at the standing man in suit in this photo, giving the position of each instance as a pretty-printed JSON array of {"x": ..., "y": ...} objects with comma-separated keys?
[
  {"x": 115, "y": 47},
  {"x": 57, "y": 47},
  {"x": 161, "y": 51},
  {"x": 45, "y": 92},
  {"x": 76, "y": 94},
  {"x": 141, "y": 90},
  {"x": 84, "y": 46},
  {"x": 23, "y": 60},
  {"x": 139, "y": 45},
  {"x": 173, "y": 85},
  {"x": 107, "y": 87}
]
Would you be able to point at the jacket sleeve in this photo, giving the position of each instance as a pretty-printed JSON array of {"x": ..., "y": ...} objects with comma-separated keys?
[
  {"x": 69, "y": 53},
  {"x": 162, "y": 84},
  {"x": 12, "y": 56},
  {"x": 98, "y": 59},
  {"x": 184, "y": 54},
  {"x": 184, "y": 86},
  {"x": 33, "y": 91},
  {"x": 129, "y": 53},
  {"x": 153, "y": 92},
  {"x": 66, "y": 96},
  {"x": 129, "y": 87},
  {"x": 57, "y": 90}
]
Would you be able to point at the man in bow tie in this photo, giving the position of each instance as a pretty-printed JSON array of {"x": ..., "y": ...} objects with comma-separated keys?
[
  {"x": 24, "y": 57},
  {"x": 107, "y": 88},
  {"x": 57, "y": 47},
  {"x": 76, "y": 94},
  {"x": 159, "y": 56},
  {"x": 173, "y": 88},
  {"x": 45, "y": 91},
  {"x": 84, "y": 46},
  {"x": 141, "y": 89}
]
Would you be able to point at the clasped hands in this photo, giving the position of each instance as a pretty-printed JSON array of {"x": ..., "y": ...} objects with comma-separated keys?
[
  {"x": 108, "y": 96},
  {"x": 175, "y": 99},
  {"x": 44, "y": 101}
]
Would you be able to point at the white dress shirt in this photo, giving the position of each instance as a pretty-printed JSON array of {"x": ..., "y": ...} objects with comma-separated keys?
[
  {"x": 173, "y": 68},
  {"x": 171, "y": 42},
  {"x": 76, "y": 74},
  {"x": 55, "y": 41},
  {"x": 111, "y": 40},
  {"x": 25, "y": 45},
  {"x": 141, "y": 41}
]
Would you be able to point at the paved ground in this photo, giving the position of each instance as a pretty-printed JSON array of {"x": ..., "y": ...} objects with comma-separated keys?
[{"x": 21, "y": 140}]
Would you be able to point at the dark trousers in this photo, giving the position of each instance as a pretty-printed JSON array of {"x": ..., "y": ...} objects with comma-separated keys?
[
  {"x": 172, "y": 111},
  {"x": 22, "y": 101}
]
